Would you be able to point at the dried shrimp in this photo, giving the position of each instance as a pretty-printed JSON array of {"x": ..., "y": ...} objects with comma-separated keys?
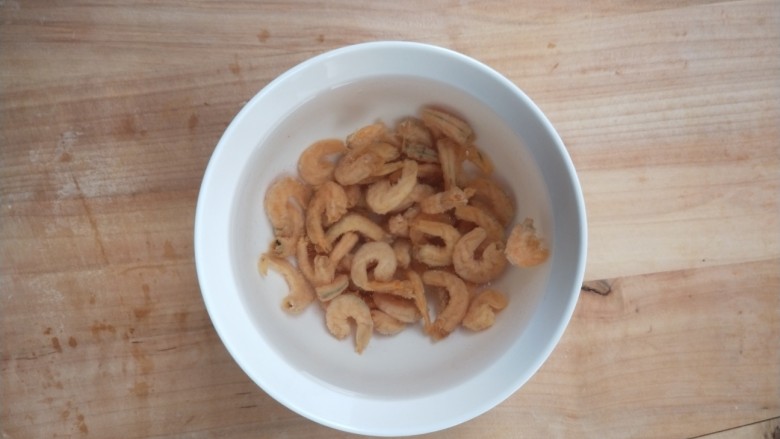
[
  {"x": 315, "y": 165},
  {"x": 482, "y": 310},
  {"x": 301, "y": 293},
  {"x": 457, "y": 302},
  {"x": 388, "y": 220},
  {"x": 350, "y": 307},
  {"x": 473, "y": 269},
  {"x": 524, "y": 248}
]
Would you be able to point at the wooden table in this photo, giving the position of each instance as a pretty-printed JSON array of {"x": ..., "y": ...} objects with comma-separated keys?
[{"x": 109, "y": 112}]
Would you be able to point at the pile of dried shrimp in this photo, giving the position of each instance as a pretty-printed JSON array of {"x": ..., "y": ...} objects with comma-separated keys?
[{"x": 376, "y": 225}]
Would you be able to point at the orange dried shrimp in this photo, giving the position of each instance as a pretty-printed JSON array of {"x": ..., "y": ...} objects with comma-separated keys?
[{"x": 375, "y": 223}]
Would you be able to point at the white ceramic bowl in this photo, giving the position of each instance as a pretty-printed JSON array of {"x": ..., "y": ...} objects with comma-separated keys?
[{"x": 405, "y": 384}]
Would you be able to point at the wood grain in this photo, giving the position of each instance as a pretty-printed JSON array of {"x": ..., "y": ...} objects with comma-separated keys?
[{"x": 109, "y": 112}]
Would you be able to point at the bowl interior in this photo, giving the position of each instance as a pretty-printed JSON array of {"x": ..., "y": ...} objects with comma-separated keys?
[{"x": 408, "y": 364}]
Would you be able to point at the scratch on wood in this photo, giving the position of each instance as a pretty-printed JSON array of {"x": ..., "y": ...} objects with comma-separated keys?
[
  {"x": 34, "y": 357},
  {"x": 161, "y": 267},
  {"x": 92, "y": 222},
  {"x": 601, "y": 287}
]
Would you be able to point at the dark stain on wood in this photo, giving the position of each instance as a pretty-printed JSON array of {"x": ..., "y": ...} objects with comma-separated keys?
[
  {"x": 181, "y": 319},
  {"x": 192, "y": 122},
  {"x": 55, "y": 343},
  {"x": 100, "y": 327},
  {"x": 168, "y": 251},
  {"x": 144, "y": 364},
  {"x": 143, "y": 311},
  {"x": 140, "y": 389},
  {"x": 234, "y": 67},
  {"x": 126, "y": 129},
  {"x": 600, "y": 287},
  {"x": 82, "y": 425}
]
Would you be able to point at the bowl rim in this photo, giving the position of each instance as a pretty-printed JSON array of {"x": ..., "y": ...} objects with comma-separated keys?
[{"x": 203, "y": 259}]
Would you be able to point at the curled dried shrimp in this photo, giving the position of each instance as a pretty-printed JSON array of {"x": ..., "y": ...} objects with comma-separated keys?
[
  {"x": 301, "y": 293},
  {"x": 400, "y": 308},
  {"x": 382, "y": 196},
  {"x": 483, "y": 219},
  {"x": 431, "y": 254},
  {"x": 284, "y": 203},
  {"x": 524, "y": 248},
  {"x": 385, "y": 324},
  {"x": 380, "y": 224},
  {"x": 493, "y": 196},
  {"x": 482, "y": 310},
  {"x": 350, "y": 307},
  {"x": 355, "y": 222},
  {"x": 444, "y": 201},
  {"x": 457, "y": 302},
  {"x": 315, "y": 165},
  {"x": 473, "y": 269},
  {"x": 330, "y": 202}
]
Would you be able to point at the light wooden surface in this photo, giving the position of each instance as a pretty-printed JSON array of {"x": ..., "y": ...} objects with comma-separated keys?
[{"x": 109, "y": 112}]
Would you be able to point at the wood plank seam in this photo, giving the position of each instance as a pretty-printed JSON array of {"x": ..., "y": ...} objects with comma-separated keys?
[{"x": 775, "y": 432}]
